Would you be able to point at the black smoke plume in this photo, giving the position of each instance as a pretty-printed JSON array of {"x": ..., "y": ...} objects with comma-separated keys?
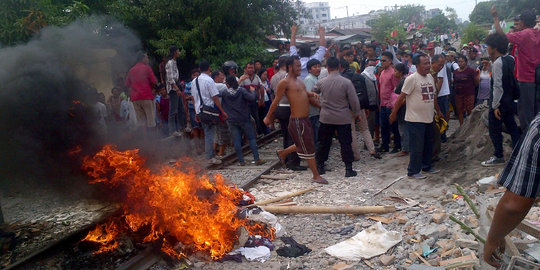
[{"x": 47, "y": 92}]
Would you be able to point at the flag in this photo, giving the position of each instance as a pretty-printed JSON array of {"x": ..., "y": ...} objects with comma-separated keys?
[{"x": 394, "y": 33}]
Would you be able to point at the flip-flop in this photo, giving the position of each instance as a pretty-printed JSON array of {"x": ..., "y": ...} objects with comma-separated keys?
[
  {"x": 320, "y": 181},
  {"x": 280, "y": 159}
]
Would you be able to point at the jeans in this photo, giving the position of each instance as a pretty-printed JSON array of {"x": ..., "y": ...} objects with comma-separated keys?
[
  {"x": 528, "y": 106},
  {"x": 177, "y": 116},
  {"x": 404, "y": 134},
  {"x": 209, "y": 133},
  {"x": 315, "y": 124},
  {"x": 495, "y": 130},
  {"x": 326, "y": 133},
  {"x": 444, "y": 104},
  {"x": 237, "y": 129},
  {"x": 421, "y": 148},
  {"x": 385, "y": 129}
]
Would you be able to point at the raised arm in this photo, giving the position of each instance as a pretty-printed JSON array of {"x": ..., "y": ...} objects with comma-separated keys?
[
  {"x": 496, "y": 21},
  {"x": 294, "y": 29},
  {"x": 322, "y": 38}
]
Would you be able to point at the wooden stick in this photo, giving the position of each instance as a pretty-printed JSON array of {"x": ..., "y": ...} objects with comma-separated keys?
[
  {"x": 358, "y": 210},
  {"x": 389, "y": 185},
  {"x": 468, "y": 229},
  {"x": 422, "y": 259},
  {"x": 280, "y": 198},
  {"x": 275, "y": 177},
  {"x": 467, "y": 199}
]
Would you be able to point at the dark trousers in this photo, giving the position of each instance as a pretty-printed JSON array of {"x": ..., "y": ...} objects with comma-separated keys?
[
  {"x": 386, "y": 127},
  {"x": 177, "y": 117},
  {"x": 528, "y": 106},
  {"x": 315, "y": 125},
  {"x": 254, "y": 112},
  {"x": 495, "y": 130},
  {"x": 283, "y": 114},
  {"x": 326, "y": 133},
  {"x": 262, "y": 113},
  {"x": 420, "y": 146}
]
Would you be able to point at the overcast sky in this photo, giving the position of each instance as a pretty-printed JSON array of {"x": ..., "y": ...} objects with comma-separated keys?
[{"x": 337, "y": 7}]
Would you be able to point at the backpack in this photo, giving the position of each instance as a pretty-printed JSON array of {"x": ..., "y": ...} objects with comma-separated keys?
[
  {"x": 359, "y": 84},
  {"x": 509, "y": 80}
]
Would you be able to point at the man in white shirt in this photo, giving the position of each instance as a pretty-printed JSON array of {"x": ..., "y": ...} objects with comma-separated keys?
[
  {"x": 419, "y": 94},
  {"x": 209, "y": 92},
  {"x": 305, "y": 51},
  {"x": 443, "y": 99}
]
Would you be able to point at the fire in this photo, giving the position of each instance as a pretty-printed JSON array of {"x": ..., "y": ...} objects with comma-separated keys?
[{"x": 195, "y": 211}]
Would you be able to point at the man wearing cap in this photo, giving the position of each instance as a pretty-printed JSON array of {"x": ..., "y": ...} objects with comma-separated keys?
[{"x": 528, "y": 41}]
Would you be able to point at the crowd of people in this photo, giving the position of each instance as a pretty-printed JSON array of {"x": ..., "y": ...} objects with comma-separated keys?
[{"x": 396, "y": 96}]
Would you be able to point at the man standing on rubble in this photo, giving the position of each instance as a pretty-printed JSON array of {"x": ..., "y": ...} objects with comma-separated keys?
[
  {"x": 521, "y": 178},
  {"x": 419, "y": 94}
]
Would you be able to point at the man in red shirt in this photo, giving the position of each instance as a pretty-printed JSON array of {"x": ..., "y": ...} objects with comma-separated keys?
[
  {"x": 388, "y": 83},
  {"x": 528, "y": 42},
  {"x": 273, "y": 69},
  {"x": 140, "y": 80}
]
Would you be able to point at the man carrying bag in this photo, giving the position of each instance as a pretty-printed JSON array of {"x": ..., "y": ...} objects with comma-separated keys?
[{"x": 206, "y": 100}]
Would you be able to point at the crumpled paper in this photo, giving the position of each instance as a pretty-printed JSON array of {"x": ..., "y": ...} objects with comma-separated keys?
[
  {"x": 260, "y": 253},
  {"x": 371, "y": 242}
]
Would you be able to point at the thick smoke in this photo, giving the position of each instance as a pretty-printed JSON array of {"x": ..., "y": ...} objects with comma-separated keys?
[{"x": 47, "y": 91}]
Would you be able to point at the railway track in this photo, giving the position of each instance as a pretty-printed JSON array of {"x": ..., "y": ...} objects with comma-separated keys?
[{"x": 147, "y": 257}]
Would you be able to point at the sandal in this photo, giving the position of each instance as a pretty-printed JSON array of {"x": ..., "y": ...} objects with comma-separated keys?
[{"x": 320, "y": 181}]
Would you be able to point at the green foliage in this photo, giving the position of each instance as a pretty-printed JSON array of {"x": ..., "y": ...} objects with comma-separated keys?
[
  {"x": 383, "y": 26},
  {"x": 440, "y": 24},
  {"x": 481, "y": 12},
  {"x": 518, "y": 6},
  {"x": 20, "y": 19},
  {"x": 214, "y": 30},
  {"x": 473, "y": 32},
  {"x": 410, "y": 14}
]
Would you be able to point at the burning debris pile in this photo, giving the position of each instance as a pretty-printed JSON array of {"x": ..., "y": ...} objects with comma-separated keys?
[{"x": 177, "y": 207}]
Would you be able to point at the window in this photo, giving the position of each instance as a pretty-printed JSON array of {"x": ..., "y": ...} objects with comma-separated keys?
[{"x": 323, "y": 15}]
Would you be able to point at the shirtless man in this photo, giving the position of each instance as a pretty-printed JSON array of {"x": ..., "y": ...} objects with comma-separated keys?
[{"x": 299, "y": 124}]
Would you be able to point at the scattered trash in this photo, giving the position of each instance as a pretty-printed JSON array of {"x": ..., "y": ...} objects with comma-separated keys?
[
  {"x": 259, "y": 215},
  {"x": 257, "y": 240},
  {"x": 292, "y": 248},
  {"x": 260, "y": 254},
  {"x": 426, "y": 250},
  {"x": 371, "y": 242},
  {"x": 231, "y": 257},
  {"x": 343, "y": 231}
]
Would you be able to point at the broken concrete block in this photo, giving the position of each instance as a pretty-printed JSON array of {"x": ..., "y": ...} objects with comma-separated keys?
[
  {"x": 424, "y": 267},
  {"x": 438, "y": 217},
  {"x": 485, "y": 183},
  {"x": 386, "y": 260},
  {"x": 402, "y": 219},
  {"x": 466, "y": 243}
]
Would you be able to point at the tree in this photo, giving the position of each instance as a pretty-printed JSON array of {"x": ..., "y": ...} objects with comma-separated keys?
[
  {"x": 411, "y": 13},
  {"x": 440, "y": 24},
  {"x": 215, "y": 30},
  {"x": 473, "y": 32},
  {"x": 451, "y": 14},
  {"x": 481, "y": 14},
  {"x": 383, "y": 26},
  {"x": 20, "y": 19}
]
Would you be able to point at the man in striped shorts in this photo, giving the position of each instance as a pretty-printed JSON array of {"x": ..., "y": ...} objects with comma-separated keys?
[{"x": 521, "y": 177}]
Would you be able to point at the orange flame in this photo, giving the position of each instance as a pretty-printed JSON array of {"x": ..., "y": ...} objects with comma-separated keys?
[{"x": 198, "y": 212}]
